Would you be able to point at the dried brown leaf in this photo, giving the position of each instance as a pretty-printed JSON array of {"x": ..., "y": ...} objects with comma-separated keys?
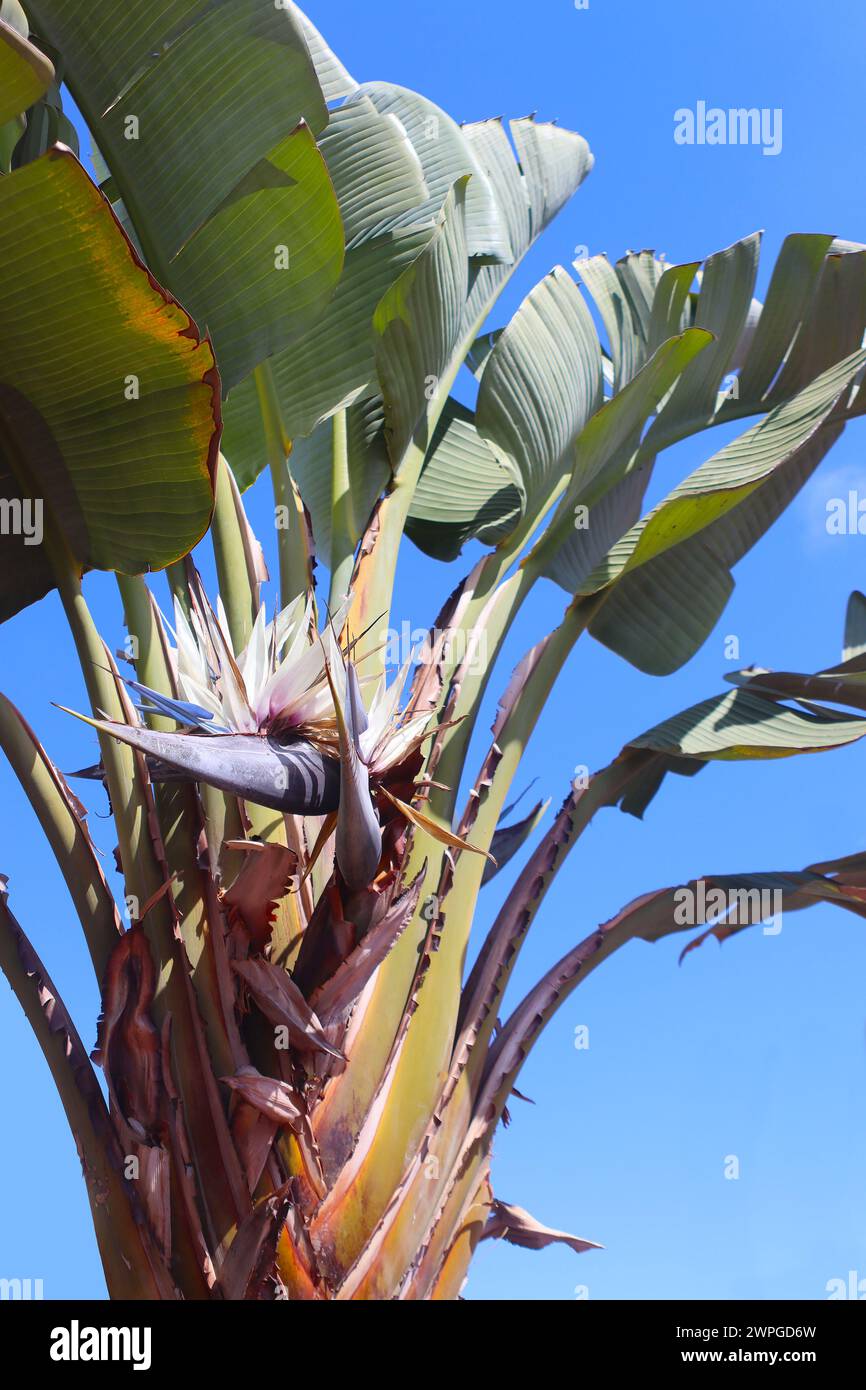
[
  {"x": 519, "y": 1228},
  {"x": 274, "y": 1099},
  {"x": 261, "y": 883},
  {"x": 344, "y": 986},
  {"x": 284, "y": 1005},
  {"x": 252, "y": 1253}
]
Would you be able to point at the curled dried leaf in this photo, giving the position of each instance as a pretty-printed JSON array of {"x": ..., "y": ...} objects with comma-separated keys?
[
  {"x": 515, "y": 1225},
  {"x": 252, "y": 1253},
  {"x": 129, "y": 1046},
  {"x": 261, "y": 883},
  {"x": 347, "y": 982},
  {"x": 280, "y": 1000},
  {"x": 274, "y": 1099}
]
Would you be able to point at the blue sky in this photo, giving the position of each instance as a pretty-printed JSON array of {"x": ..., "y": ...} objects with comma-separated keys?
[{"x": 757, "y": 1049}]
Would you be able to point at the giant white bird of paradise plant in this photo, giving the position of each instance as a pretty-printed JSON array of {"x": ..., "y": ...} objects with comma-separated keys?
[{"x": 304, "y": 1074}]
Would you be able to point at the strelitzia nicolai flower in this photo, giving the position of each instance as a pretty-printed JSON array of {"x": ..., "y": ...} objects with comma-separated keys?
[{"x": 281, "y": 723}]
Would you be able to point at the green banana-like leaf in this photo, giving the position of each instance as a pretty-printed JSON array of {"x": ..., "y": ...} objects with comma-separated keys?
[
  {"x": 673, "y": 304},
  {"x": 731, "y": 475},
  {"x": 261, "y": 270},
  {"x": 553, "y": 162},
  {"x": 541, "y": 380},
  {"x": 761, "y": 356},
  {"x": 446, "y": 156},
  {"x": 332, "y": 366},
  {"x": 417, "y": 322},
  {"x": 744, "y": 724},
  {"x": 814, "y": 315},
  {"x": 115, "y": 451},
  {"x": 338, "y": 359},
  {"x": 622, "y": 297},
  {"x": 658, "y": 616},
  {"x": 393, "y": 156},
  {"x": 185, "y": 159},
  {"x": 481, "y": 499},
  {"x": 560, "y": 160},
  {"x": 372, "y": 164},
  {"x": 334, "y": 80},
  {"x": 831, "y": 327},
  {"x": 493, "y": 152},
  {"x": 581, "y": 534},
  {"x": 722, "y": 307},
  {"x": 25, "y": 72},
  {"x": 443, "y": 516},
  {"x": 795, "y": 277},
  {"x": 640, "y": 273},
  {"x": 389, "y": 219},
  {"x": 601, "y": 460},
  {"x": 541, "y": 384},
  {"x": 552, "y": 165},
  {"x": 205, "y": 114}
]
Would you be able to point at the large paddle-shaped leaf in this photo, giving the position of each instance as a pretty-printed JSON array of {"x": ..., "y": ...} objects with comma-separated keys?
[
  {"x": 109, "y": 403},
  {"x": 624, "y": 295},
  {"x": 744, "y": 724},
  {"x": 554, "y": 162},
  {"x": 389, "y": 219},
  {"x": 668, "y": 579},
  {"x": 761, "y": 355},
  {"x": 25, "y": 72},
  {"x": 603, "y": 481},
  {"x": 722, "y": 307},
  {"x": 464, "y": 491},
  {"x": 541, "y": 382},
  {"x": 197, "y": 107},
  {"x": 552, "y": 165},
  {"x": 417, "y": 323},
  {"x": 814, "y": 315},
  {"x": 446, "y": 156},
  {"x": 334, "y": 80}
]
